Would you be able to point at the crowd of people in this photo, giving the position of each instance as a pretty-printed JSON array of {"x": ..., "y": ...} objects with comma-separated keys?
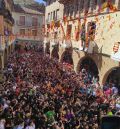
[{"x": 39, "y": 94}]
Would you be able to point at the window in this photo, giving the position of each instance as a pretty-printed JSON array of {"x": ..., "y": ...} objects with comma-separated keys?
[
  {"x": 48, "y": 16},
  {"x": 83, "y": 31},
  {"x": 69, "y": 29},
  {"x": 34, "y": 32},
  {"x": 91, "y": 28},
  {"x": 57, "y": 12},
  {"x": 51, "y": 16},
  {"x": 77, "y": 5},
  {"x": 95, "y": 2},
  {"x": 68, "y": 11},
  {"x": 103, "y": 1},
  {"x": 22, "y": 20},
  {"x": 48, "y": 2},
  {"x": 88, "y": 4},
  {"x": 34, "y": 21},
  {"x": 118, "y": 5},
  {"x": 71, "y": 9},
  {"x": 65, "y": 9},
  {"x": 22, "y": 31},
  {"x": 81, "y": 5}
]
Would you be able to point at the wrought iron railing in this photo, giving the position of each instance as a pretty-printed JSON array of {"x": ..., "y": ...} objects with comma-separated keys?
[{"x": 27, "y": 24}]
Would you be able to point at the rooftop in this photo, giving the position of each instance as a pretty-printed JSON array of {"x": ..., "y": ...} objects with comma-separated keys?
[
  {"x": 22, "y": 9},
  {"x": 24, "y": 2}
]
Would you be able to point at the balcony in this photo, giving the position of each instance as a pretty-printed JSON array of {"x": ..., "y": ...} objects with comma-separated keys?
[
  {"x": 29, "y": 38},
  {"x": 48, "y": 21},
  {"x": 2, "y": 43},
  {"x": 67, "y": 44},
  {"x": 56, "y": 18},
  {"x": 26, "y": 24},
  {"x": 7, "y": 15},
  {"x": 46, "y": 40},
  {"x": 54, "y": 42}
]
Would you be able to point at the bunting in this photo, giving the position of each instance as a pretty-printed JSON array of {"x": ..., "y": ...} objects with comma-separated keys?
[{"x": 85, "y": 35}]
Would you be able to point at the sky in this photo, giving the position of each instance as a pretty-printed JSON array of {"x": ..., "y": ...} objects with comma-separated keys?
[{"x": 40, "y": 1}]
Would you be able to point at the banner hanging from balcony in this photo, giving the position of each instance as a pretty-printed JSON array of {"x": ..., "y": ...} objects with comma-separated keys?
[
  {"x": 77, "y": 30},
  {"x": 57, "y": 24},
  {"x": 108, "y": 5},
  {"x": 65, "y": 19},
  {"x": 116, "y": 52},
  {"x": 1, "y": 27},
  {"x": 52, "y": 25}
]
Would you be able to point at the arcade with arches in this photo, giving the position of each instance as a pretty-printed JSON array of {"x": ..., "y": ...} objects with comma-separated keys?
[
  {"x": 89, "y": 64},
  {"x": 54, "y": 53},
  {"x": 112, "y": 76},
  {"x": 47, "y": 48},
  {"x": 67, "y": 56}
]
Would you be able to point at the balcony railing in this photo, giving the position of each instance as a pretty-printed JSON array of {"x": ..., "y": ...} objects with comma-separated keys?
[
  {"x": 26, "y": 24},
  {"x": 61, "y": 42},
  {"x": 27, "y": 37},
  {"x": 47, "y": 21},
  {"x": 67, "y": 44},
  {"x": 54, "y": 42},
  {"x": 54, "y": 19}
]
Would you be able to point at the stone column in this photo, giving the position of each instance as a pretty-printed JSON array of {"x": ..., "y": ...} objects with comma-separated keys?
[
  {"x": 3, "y": 63},
  {"x": 51, "y": 49},
  {"x": 61, "y": 51},
  {"x": 76, "y": 58}
]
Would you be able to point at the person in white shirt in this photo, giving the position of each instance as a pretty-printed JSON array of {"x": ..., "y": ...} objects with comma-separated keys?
[
  {"x": 31, "y": 126},
  {"x": 21, "y": 126},
  {"x": 2, "y": 124}
]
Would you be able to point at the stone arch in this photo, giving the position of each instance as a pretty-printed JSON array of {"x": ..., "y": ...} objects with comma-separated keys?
[
  {"x": 12, "y": 47},
  {"x": 0, "y": 63},
  {"x": 5, "y": 55},
  {"x": 9, "y": 50},
  {"x": 54, "y": 52},
  {"x": 67, "y": 56},
  {"x": 47, "y": 48},
  {"x": 88, "y": 61},
  {"x": 108, "y": 73}
]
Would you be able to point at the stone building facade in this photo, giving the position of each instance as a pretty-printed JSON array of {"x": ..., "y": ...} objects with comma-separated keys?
[
  {"x": 6, "y": 36},
  {"x": 88, "y": 31},
  {"x": 28, "y": 23}
]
